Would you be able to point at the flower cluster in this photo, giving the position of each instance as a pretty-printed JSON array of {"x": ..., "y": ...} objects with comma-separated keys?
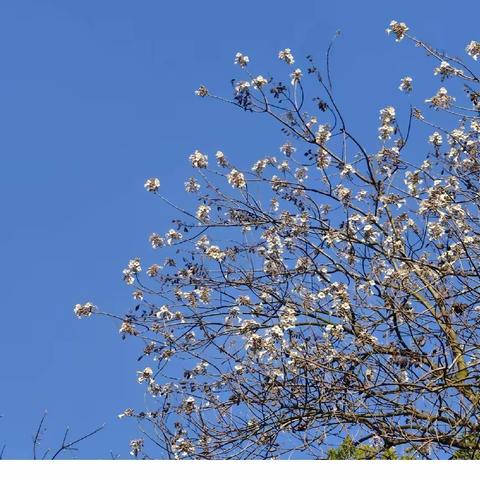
[
  {"x": 203, "y": 213},
  {"x": 339, "y": 287},
  {"x": 473, "y": 49},
  {"x": 435, "y": 139},
  {"x": 156, "y": 240},
  {"x": 441, "y": 99},
  {"x": 236, "y": 179},
  {"x": 406, "y": 84},
  {"x": 198, "y": 159},
  {"x": 192, "y": 185},
  {"x": 387, "y": 127},
  {"x": 145, "y": 375},
  {"x": 214, "y": 252},
  {"x": 129, "y": 273},
  {"x": 287, "y": 56},
  {"x": 136, "y": 446},
  {"x": 202, "y": 91},
  {"x": 296, "y": 76},
  {"x": 84, "y": 310},
  {"x": 259, "y": 81},
  {"x": 152, "y": 184},
  {"x": 241, "y": 59},
  {"x": 445, "y": 70},
  {"x": 399, "y": 29}
]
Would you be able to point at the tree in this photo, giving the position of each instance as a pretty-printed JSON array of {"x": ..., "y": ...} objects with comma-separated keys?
[
  {"x": 324, "y": 304},
  {"x": 66, "y": 446}
]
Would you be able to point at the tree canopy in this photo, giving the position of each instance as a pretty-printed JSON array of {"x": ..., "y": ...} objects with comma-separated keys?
[{"x": 323, "y": 302}]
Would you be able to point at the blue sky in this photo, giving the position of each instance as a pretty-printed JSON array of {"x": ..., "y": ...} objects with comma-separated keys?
[{"x": 97, "y": 96}]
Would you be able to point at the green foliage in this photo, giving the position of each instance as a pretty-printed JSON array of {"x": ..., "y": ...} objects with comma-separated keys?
[
  {"x": 471, "y": 451},
  {"x": 349, "y": 451}
]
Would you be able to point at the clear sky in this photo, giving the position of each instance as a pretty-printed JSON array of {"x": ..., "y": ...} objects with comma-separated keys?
[{"x": 95, "y": 97}]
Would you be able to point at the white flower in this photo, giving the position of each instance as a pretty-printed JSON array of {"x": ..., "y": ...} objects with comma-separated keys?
[
  {"x": 406, "y": 84},
  {"x": 387, "y": 114},
  {"x": 164, "y": 313},
  {"x": 386, "y": 131},
  {"x": 152, "y": 184},
  {"x": 153, "y": 270},
  {"x": 322, "y": 159},
  {"x": 241, "y": 59},
  {"x": 201, "y": 367},
  {"x": 239, "y": 369},
  {"x": 313, "y": 120},
  {"x": 144, "y": 375},
  {"x": 128, "y": 277},
  {"x": 134, "y": 265},
  {"x": 84, "y": 310},
  {"x": 183, "y": 446},
  {"x": 215, "y": 252},
  {"x": 128, "y": 412},
  {"x": 369, "y": 233},
  {"x": 473, "y": 49},
  {"x": 173, "y": 235},
  {"x": 156, "y": 240},
  {"x": 128, "y": 329},
  {"x": 334, "y": 330},
  {"x": 198, "y": 159},
  {"x": 435, "y": 139},
  {"x": 136, "y": 446},
  {"x": 445, "y": 70},
  {"x": 192, "y": 185},
  {"x": 288, "y": 149},
  {"x": 347, "y": 170},
  {"x": 276, "y": 331},
  {"x": 221, "y": 159},
  {"x": 201, "y": 91},
  {"x": 188, "y": 404},
  {"x": 323, "y": 134},
  {"x": 303, "y": 264},
  {"x": 435, "y": 230},
  {"x": 138, "y": 295},
  {"x": 287, "y": 317},
  {"x": 202, "y": 242},
  {"x": 301, "y": 174},
  {"x": 259, "y": 81},
  {"x": 242, "y": 86},
  {"x": 361, "y": 195},
  {"x": 387, "y": 117},
  {"x": 236, "y": 179},
  {"x": 284, "y": 166},
  {"x": 398, "y": 28},
  {"x": 260, "y": 165},
  {"x": 286, "y": 56},
  {"x": 441, "y": 99},
  {"x": 296, "y": 76},
  {"x": 343, "y": 193},
  {"x": 203, "y": 212},
  {"x": 243, "y": 300}
]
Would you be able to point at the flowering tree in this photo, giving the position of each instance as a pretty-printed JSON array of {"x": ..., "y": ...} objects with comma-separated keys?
[{"x": 326, "y": 303}]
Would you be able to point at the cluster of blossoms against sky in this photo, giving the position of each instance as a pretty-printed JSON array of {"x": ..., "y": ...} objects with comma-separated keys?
[{"x": 315, "y": 268}]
